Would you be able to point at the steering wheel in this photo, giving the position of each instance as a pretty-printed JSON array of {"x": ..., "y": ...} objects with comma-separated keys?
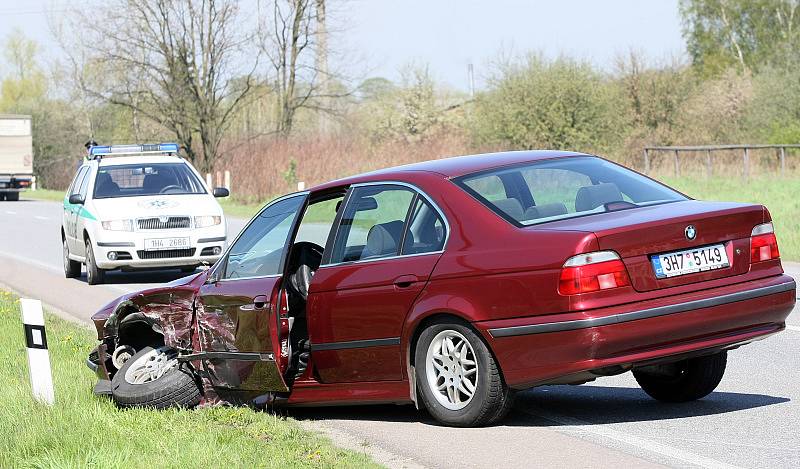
[
  {"x": 306, "y": 258},
  {"x": 170, "y": 187}
]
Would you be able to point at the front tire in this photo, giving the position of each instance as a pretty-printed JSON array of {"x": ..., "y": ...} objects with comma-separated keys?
[
  {"x": 72, "y": 269},
  {"x": 94, "y": 274},
  {"x": 154, "y": 378},
  {"x": 684, "y": 381},
  {"x": 459, "y": 380},
  {"x": 12, "y": 196}
]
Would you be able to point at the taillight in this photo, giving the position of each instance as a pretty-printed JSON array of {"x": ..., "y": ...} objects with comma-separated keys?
[
  {"x": 763, "y": 244},
  {"x": 590, "y": 272}
]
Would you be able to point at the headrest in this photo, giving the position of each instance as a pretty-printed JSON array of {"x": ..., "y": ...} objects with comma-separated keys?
[
  {"x": 591, "y": 197},
  {"x": 545, "y": 210},
  {"x": 383, "y": 239},
  {"x": 510, "y": 207}
]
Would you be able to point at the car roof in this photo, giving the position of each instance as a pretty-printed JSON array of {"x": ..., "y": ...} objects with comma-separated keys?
[
  {"x": 453, "y": 166},
  {"x": 139, "y": 159}
]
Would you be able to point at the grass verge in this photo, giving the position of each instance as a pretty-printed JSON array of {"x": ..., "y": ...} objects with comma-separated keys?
[
  {"x": 82, "y": 430},
  {"x": 780, "y": 195}
]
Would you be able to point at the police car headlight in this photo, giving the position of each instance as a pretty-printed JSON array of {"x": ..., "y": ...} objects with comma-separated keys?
[
  {"x": 206, "y": 221},
  {"x": 118, "y": 225}
]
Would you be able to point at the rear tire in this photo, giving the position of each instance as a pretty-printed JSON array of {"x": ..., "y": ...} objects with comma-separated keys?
[
  {"x": 471, "y": 361},
  {"x": 175, "y": 388},
  {"x": 2, "y": 196},
  {"x": 12, "y": 196},
  {"x": 684, "y": 381},
  {"x": 72, "y": 269},
  {"x": 94, "y": 274}
]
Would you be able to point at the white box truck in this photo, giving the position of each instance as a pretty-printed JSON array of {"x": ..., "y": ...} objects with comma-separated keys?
[{"x": 16, "y": 155}]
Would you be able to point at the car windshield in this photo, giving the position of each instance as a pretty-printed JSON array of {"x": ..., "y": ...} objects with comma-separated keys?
[
  {"x": 563, "y": 188},
  {"x": 133, "y": 180}
]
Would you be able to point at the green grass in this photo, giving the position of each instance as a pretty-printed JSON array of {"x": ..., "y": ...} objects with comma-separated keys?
[
  {"x": 44, "y": 194},
  {"x": 780, "y": 195},
  {"x": 82, "y": 430}
]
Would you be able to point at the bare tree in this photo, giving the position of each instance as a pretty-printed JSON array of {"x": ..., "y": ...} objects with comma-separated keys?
[
  {"x": 177, "y": 63},
  {"x": 294, "y": 36}
]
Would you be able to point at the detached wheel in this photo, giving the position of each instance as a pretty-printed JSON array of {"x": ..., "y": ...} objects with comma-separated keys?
[
  {"x": 72, "y": 269},
  {"x": 154, "y": 378},
  {"x": 459, "y": 380},
  {"x": 684, "y": 381},
  {"x": 94, "y": 274}
]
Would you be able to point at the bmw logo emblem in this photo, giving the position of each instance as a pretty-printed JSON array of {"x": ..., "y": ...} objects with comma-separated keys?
[
  {"x": 163, "y": 218},
  {"x": 690, "y": 232}
]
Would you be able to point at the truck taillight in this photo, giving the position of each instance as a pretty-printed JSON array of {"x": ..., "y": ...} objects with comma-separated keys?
[
  {"x": 763, "y": 244},
  {"x": 584, "y": 273}
]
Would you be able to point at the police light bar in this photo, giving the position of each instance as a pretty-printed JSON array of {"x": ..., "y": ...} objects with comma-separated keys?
[{"x": 100, "y": 151}]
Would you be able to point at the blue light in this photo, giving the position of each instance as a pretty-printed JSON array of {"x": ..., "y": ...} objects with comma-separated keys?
[
  {"x": 168, "y": 147},
  {"x": 100, "y": 150},
  {"x": 104, "y": 150}
]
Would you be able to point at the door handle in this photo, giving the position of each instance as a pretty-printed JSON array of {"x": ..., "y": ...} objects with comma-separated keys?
[
  {"x": 405, "y": 281},
  {"x": 259, "y": 302}
]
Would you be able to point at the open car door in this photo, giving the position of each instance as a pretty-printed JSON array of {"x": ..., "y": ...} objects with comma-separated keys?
[{"x": 237, "y": 310}]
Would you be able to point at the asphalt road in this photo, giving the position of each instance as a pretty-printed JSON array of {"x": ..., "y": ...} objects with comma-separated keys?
[{"x": 752, "y": 419}]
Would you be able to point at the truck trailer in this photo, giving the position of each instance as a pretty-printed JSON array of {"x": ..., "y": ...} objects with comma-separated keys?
[{"x": 16, "y": 156}]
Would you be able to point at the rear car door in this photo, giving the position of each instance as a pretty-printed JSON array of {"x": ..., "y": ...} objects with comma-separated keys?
[
  {"x": 237, "y": 309},
  {"x": 386, "y": 245}
]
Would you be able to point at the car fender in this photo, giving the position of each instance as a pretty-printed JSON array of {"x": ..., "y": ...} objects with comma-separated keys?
[{"x": 169, "y": 310}]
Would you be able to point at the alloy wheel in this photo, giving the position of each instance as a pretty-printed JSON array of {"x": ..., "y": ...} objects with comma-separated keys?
[
  {"x": 151, "y": 366},
  {"x": 451, "y": 369}
]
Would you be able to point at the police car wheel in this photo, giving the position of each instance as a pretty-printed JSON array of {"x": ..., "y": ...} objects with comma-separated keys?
[
  {"x": 94, "y": 274},
  {"x": 72, "y": 269}
]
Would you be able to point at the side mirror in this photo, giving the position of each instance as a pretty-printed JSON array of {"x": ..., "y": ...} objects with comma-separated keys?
[
  {"x": 221, "y": 192},
  {"x": 76, "y": 199}
]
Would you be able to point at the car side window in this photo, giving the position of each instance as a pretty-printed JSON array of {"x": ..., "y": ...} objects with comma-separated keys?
[
  {"x": 315, "y": 226},
  {"x": 84, "y": 189},
  {"x": 426, "y": 232},
  {"x": 74, "y": 188},
  {"x": 373, "y": 223},
  {"x": 259, "y": 251}
]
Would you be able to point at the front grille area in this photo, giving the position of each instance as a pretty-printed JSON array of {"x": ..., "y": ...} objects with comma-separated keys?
[
  {"x": 155, "y": 223},
  {"x": 166, "y": 253}
]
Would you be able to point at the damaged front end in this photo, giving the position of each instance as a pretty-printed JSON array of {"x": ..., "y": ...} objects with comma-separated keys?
[{"x": 161, "y": 316}]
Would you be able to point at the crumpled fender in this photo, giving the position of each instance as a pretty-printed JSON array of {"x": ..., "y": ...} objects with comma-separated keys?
[{"x": 169, "y": 307}]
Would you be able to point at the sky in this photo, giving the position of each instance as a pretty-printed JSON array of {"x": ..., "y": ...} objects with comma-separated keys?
[{"x": 380, "y": 37}]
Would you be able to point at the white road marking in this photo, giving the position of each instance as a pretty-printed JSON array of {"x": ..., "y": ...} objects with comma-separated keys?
[
  {"x": 577, "y": 425},
  {"x": 793, "y": 328},
  {"x": 39, "y": 217},
  {"x": 9, "y": 212},
  {"x": 59, "y": 270}
]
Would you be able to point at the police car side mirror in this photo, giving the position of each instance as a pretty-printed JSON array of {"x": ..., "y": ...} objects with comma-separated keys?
[
  {"x": 76, "y": 199},
  {"x": 221, "y": 192}
]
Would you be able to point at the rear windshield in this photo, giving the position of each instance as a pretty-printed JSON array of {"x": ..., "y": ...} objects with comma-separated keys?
[
  {"x": 133, "y": 180},
  {"x": 563, "y": 188}
]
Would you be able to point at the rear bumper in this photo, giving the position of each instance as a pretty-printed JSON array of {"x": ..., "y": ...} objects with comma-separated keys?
[
  {"x": 14, "y": 183},
  {"x": 540, "y": 349}
]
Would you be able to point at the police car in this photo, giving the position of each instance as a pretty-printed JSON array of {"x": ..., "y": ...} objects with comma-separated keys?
[{"x": 139, "y": 207}]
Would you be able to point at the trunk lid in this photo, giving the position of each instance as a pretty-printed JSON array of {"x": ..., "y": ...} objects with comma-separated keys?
[{"x": 638, "y": 234}]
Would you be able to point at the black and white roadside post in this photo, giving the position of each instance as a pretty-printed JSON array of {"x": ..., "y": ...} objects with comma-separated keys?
[{"x": 38, "y": 356}]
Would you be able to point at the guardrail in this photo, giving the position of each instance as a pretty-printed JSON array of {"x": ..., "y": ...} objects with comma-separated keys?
[{"x": 709, "y": 148}]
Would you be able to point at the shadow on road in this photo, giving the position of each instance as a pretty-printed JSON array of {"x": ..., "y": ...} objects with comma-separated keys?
[
  {"x": 149, "y": 276},
  {"x": 592, "y": 405}
]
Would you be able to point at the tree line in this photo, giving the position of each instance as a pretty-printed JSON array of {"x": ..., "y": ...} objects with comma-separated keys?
[{"x": 217, "y": 76}]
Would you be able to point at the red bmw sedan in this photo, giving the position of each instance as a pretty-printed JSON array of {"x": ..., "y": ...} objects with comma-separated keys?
[{"x": 452, "y": 284}]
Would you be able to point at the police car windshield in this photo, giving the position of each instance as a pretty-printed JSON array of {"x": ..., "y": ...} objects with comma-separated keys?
[{"x": 134, "y": 180}]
